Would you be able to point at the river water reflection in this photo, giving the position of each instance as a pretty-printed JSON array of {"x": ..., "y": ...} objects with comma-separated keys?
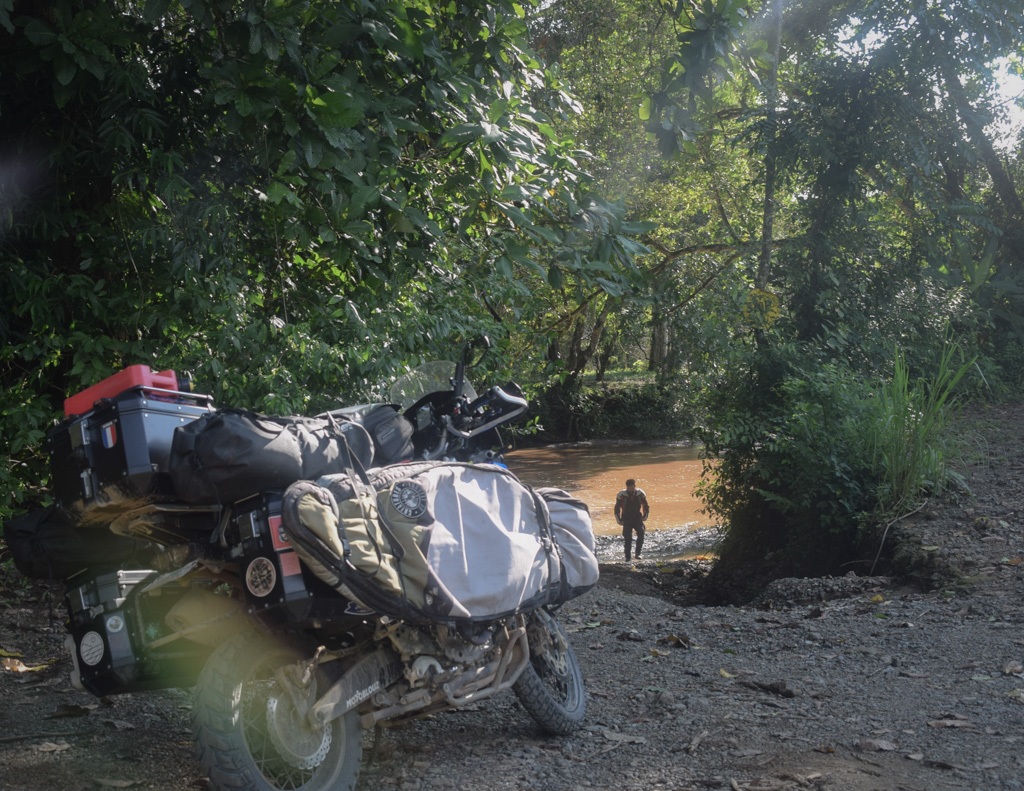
[{"x": 597, "y": 472}]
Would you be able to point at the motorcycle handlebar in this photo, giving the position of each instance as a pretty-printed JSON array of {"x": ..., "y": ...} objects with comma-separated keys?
[
  {"x": 497, "y": 394},
  {"x": 516, "y": 404}
]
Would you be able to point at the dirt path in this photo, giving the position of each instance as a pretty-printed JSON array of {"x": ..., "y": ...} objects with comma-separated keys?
[{"x": 846, "y": 684}]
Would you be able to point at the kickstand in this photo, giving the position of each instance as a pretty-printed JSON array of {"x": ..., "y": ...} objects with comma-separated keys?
[{"x": 371, "y": 754}]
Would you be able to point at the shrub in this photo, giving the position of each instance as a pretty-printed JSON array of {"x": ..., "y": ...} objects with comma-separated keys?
[
  {"x": 801, "y": 457},
  {"x": 641, "y": 410}
]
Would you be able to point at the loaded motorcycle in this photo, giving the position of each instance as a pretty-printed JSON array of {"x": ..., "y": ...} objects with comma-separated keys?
[{"x": 315, "y": 577}]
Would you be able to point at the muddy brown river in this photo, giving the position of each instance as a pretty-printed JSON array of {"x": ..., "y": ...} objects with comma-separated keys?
[{"x": 597, "y": 472}]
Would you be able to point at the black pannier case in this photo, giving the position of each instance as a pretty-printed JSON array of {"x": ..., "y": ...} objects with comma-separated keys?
[
  {"x": 118, "y": 645},
  {"x": 117, "y": 455},
  {"x": 280, "y": 588}
]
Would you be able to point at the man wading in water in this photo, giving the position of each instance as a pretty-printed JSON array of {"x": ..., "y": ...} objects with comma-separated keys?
[{"x": 631, "y": 511}]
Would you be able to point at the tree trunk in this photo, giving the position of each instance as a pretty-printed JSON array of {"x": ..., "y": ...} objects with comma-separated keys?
[
  {"x": 771, "y": 100},
  {"x": 584, "y": 344},
  {"x": 659, "y": 343},
  {"x": 1001, "y": 180}
]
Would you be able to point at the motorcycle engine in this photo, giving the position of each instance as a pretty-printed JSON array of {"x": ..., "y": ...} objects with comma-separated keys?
[
  {"x": 426, "y": 651},
  {"x": 463, "y": 645}
]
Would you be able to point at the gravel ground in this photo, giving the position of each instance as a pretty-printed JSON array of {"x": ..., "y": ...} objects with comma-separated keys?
[{"x": 913, "y": 681}]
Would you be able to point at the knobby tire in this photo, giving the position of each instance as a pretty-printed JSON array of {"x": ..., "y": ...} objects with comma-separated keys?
[
  {"x": 551, "y": 687},
  {"x": 230, "y": 724}
]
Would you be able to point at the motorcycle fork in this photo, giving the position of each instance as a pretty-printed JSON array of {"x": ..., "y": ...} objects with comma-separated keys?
[
  {"x": 548, "y": 644},
  {"x": 296, "y": 680}
]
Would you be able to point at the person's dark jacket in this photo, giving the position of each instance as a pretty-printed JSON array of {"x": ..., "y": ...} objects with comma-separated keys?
[{"x": 631, "y": 510}]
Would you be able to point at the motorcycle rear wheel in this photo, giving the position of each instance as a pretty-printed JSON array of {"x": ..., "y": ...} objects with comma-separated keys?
[
  {"x": 247, "y": 735},
  {"x": 551, "y": 686}
]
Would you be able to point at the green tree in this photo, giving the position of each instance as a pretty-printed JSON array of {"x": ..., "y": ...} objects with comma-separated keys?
[
  {"x": 290, "y": 199},
  {"x": 612, "y": 53},
  {"x": 866, "y": 142}
]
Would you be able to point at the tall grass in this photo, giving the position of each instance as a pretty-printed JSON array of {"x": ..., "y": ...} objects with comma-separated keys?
[{"x": 908, "y": 439}]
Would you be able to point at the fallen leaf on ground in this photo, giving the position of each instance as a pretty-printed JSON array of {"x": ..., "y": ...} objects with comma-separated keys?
[
  {"x": 51, "y": 747},
  {"x": 9, "y": 653},
  {"x": 950, "y": 724},
  {"x": 725, "y": 673},
  {"x": 71, "y": 710},
  {"x": 875, "y": 745},
  {"x": 943, "y": 765},
  {"x": 776, "y": 688},
  {"x": 696, "y": 740},
  {"x": 120, "y": 725},
  {"x": 616, "y": 736},
  {"x": 17, "y": 666}
]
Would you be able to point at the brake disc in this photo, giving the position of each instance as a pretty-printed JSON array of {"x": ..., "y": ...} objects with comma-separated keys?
[
  {"x": 549, "y": 646},
  {"x": 558, "y": 662},
  {"x": 297, "y": 742}
]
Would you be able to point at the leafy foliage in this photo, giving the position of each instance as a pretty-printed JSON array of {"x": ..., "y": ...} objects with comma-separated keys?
[
  {"x": 291, "y": 200},
  {"x": 802, "y": 458},
  {"x": 787, "y": 469},
  {"x": 296, "y": 200},
  {"x": 636, "y": 409},
  {"x": 908, "y": 453}
]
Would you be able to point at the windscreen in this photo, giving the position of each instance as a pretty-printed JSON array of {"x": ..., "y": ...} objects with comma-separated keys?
[{"x": 427, "y": 378}]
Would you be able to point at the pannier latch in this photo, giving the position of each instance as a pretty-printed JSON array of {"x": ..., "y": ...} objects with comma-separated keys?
[{"x": 87, "y": 485}]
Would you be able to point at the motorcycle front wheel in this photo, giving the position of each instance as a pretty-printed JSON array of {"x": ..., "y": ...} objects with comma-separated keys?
[
  {"x": 248, "y": 734},
  {"x": 551, "y": 686}
]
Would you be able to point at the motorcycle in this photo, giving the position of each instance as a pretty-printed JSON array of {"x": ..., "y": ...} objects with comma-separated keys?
[{"x": 291, "y": 666}]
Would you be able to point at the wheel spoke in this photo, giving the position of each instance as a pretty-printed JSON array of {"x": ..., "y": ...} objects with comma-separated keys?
[
  {"x": 272, "y": 766},
  {"x": 264, "y": 743}
]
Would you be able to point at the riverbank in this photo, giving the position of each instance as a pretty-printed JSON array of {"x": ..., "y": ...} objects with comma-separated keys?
[
  {"x": 663, "y": 546},
  {"x": 913, "y": 681},
  {"x": 595, "y": 472}
]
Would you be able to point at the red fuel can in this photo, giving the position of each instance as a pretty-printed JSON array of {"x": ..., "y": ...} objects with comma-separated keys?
[{"x": 132, "y": 376}]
